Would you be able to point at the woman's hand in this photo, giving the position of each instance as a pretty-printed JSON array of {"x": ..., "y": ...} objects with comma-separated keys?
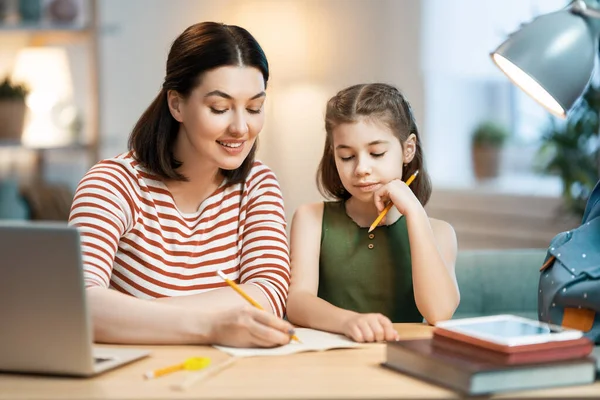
[
  {"x": 369, "y": 328},
  {"x": 249, "y": 327},
  {"x": 400, "y": 194}
]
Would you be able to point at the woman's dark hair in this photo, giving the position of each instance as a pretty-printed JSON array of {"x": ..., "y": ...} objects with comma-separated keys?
[
  {"x": 385, "y": 104},
  {"x": 200, "y": 48}
]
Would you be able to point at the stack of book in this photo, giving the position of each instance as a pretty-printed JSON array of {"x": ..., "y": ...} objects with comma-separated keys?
[{"x": 475, "y": 367}]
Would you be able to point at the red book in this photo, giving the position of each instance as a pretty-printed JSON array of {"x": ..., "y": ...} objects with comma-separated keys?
[
  {"x": 550, "y": 345},
  {"x": 527, "y": 354}
]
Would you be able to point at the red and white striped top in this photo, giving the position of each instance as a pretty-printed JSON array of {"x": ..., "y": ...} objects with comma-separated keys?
[{"x": 136, "y": 241}]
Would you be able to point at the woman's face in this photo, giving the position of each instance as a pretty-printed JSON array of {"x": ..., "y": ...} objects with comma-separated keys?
[{"x": 221, "y": 118}]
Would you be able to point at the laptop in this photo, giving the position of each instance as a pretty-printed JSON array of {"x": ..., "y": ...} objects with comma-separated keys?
[{"x": 44, "y": 322}]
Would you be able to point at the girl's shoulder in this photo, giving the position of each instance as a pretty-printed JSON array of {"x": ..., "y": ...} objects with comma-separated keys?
[
  {"x": 307, "y": 220},
  {"x": 316, "y": 211},
  {"x": 440, "y": 224},
  {"x": 311, "y": 210},
  {"x": 442, "y": 230},
  {"x": 309, "y": 213}
]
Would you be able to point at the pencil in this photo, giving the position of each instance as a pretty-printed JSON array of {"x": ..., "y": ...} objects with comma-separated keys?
[
  {"x": 207, "y": 373},
  {"x": 390, "y": 204},
  {"x": 249, "y": 299}
]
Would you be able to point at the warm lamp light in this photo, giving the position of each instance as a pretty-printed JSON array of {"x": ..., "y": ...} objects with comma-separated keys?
[
  {"x": 45, "y": 70},
  {"x": 552, "y": 58}
]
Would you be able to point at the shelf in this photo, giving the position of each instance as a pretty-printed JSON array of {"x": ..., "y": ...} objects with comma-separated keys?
[
  {"x": 5, "y": 143},
  {"x": 42, "y": 27},
  {"x": 79, "y": 38}
]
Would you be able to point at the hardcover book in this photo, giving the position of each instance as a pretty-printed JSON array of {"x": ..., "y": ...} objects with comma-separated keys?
[{"x": 473, "y": 376}]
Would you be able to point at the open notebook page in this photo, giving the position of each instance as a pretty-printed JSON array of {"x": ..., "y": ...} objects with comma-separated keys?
[{"x": 312, "y": 340}]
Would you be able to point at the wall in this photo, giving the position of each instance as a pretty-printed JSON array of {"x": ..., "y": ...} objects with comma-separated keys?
[
  {"x": 315, "y": 48},
  {"x": 488, "y": 219},
  {"x": 462, "y": 85},
  {"x": 318, "y": 47}
]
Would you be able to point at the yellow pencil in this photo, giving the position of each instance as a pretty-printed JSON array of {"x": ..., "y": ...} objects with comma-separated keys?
[
  {"x": 390, "y": 204},
  {"x": 250, "y": 300},
  {"x": 191, "y": 364}
]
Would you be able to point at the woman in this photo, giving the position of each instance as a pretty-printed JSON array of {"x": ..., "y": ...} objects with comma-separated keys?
[{"x": 189, "y": 199}]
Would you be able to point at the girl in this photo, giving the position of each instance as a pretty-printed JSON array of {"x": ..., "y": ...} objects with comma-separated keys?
[
  {"x": 349, "y": 281},
  {"x": 189, "y": 199}
]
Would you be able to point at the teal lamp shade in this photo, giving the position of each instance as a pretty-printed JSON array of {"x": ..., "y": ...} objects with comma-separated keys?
[{"x": 551, "y": 59}]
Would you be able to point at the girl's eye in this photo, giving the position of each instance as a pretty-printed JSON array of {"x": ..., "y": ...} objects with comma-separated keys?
[
  {"x": 377, "y": 155},
  {"x": 253, "y": 111},
  {"x": 346, "y": 158},
  {"x": 216, "y": 111}
]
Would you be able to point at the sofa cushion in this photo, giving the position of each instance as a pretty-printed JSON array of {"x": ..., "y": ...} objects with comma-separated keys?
[{"x": 498, "y": 282}]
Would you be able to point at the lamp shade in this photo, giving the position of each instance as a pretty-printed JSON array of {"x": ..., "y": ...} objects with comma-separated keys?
[{"x": 551, "y": 59}]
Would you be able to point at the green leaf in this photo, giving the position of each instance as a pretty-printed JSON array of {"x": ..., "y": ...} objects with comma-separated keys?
[{"x": 571, "y": 150}]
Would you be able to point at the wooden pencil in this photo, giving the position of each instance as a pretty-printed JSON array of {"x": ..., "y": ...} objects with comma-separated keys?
[{"x": 390, "y": 204}]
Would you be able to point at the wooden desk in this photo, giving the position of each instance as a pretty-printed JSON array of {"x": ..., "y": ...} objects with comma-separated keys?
[{"x": 334, "y": 374}]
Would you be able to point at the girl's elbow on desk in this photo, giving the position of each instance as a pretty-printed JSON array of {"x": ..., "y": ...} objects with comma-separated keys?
[{"x": 444, "y": 313}]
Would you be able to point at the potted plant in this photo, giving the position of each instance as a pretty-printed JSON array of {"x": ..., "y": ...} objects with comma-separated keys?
[
  {"x": 486, "y": 145},
  {"x": 571, "y": 150},
  {"x": 12, "y": 110}
]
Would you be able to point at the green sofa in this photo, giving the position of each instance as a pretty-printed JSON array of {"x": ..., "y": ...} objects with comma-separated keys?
[{"x": 498, "y": 282}]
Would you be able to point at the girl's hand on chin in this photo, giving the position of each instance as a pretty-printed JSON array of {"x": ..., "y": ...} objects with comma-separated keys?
[{"x": 400, "y": 194}]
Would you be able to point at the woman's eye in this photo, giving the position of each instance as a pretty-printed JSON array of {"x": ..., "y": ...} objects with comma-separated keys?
[
  {"x": 217, "y": 111},
  {"x": 346, "y": 158},
  {"x": 377, "y": 155},
  {"x": 254, "y": 111}
]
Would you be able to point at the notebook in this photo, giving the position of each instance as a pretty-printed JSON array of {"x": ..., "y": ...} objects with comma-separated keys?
[
  {"x": 311, "y": 340},
  {"x": 46, "y": 328}
]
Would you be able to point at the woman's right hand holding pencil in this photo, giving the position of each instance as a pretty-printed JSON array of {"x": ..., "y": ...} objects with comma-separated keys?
[{"x": 248, "y": 326}]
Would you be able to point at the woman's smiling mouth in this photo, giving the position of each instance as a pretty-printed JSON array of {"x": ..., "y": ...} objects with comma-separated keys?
[{"x": 232, "y": 146}]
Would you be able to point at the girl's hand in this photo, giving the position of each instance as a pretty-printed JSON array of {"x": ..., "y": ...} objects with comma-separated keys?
[
  {"x": 369, "y": 328},
  {"x": 398, "y": 193},
  {"x": 249, "y": 327}
]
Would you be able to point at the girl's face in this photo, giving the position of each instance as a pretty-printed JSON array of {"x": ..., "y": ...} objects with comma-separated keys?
[
  {"x": 368, "y": 155},
  {"x": 220, "y": 120}
]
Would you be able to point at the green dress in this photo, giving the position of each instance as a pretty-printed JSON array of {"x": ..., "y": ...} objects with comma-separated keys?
[{"x": 366, "y": 273}]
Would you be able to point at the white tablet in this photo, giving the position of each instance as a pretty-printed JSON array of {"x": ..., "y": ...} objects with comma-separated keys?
[{"x": 507, "y": 330}]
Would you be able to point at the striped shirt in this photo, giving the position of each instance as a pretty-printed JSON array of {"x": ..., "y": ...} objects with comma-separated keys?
[{"x": 136, "y": 241}]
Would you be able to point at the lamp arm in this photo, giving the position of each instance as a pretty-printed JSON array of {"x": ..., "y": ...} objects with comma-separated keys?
[{"x": 581, "y": 8}]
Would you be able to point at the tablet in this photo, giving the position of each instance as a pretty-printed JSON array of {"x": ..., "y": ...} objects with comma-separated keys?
[{"x": 505, "y": 330}]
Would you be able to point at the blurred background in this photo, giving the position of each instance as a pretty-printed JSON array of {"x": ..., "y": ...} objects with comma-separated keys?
[{"x": 77, "y": 74}]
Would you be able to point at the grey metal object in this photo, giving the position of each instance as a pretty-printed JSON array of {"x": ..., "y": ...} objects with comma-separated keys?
[
  {"x": 572, "y": 280},
  {"x": 44, "y": 323},
  {"x": 557, "y": 51}
]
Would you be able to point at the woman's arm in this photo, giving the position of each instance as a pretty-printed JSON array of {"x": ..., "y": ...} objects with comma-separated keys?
[
  {"x": 103, "y": 210},
  {"x": 304, "y": 308},
  {"x": 219, "y": 300},
  {"x": 118, "y": 318}
]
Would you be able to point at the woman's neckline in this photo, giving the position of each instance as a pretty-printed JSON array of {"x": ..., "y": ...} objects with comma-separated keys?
[{"x": 201, "y": 207}]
